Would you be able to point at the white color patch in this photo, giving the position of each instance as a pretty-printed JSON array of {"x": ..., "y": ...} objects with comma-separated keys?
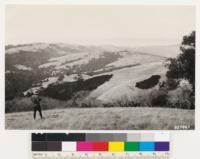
[
  {"x": 162, "y": 137},
  {"x": 69, "y": 146}
]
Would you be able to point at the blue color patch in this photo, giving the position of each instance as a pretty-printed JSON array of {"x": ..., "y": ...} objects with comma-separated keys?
[{"x": 147, "y": 146}]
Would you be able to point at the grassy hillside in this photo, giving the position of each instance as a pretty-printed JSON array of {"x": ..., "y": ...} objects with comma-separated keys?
[
  {"x": 122, "y": 84},
  {"x": 104, "y": 119},
  {"x": 28, "y": 65}
]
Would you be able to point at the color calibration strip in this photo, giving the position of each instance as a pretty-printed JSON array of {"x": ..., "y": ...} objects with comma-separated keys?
[{"x": 101, "y": 144}]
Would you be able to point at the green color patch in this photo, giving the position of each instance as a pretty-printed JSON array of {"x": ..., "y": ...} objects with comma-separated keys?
[{"x": 131, "y": 146}]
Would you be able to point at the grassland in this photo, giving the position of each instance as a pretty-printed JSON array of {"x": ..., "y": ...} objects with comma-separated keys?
[{"x": 103, "y": 119}]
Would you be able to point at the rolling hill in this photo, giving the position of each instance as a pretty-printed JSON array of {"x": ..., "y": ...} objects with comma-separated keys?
[
  {"x": 122, "y": 85},
  {"x": 38, "y": 66},
  {"x": 90, "y": 87}
]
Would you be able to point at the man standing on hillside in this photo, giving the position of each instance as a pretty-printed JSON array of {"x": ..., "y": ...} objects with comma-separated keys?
[{"x": 36, "y": 101}]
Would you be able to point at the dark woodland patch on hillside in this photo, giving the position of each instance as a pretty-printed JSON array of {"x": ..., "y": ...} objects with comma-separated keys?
[
  {"x": 19, "y": 81},
  {"x": 31, "y": 59},
  {"x": 66, "y": 90},
  {"x": 35, "y": 58},
  {"x": 148, "y": 83}
]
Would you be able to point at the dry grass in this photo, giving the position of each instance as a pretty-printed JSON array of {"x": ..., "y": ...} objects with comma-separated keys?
[
  {"x": 21, "y": 104},
  {"x": 104, "y": 119}
]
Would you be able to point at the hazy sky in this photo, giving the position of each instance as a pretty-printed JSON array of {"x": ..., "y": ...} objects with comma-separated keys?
[{"x": 118, "y": 25}]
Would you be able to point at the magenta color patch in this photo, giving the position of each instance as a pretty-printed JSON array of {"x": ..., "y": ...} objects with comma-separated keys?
[{"x": 84, "y": 146}]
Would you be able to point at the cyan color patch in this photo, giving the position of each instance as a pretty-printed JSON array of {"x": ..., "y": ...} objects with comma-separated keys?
[{"x": 147, "y": 146}]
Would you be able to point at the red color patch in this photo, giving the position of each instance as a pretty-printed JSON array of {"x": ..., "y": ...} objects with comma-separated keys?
[{"x": 100, "y": 146}]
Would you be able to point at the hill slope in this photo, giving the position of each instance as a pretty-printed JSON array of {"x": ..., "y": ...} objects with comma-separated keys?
[
  {"x": 165, "y": 50},
  {"x": 37, "y": 66},
  {"x": 122, "y": 84},
  {"x": 104, "y": 119}
]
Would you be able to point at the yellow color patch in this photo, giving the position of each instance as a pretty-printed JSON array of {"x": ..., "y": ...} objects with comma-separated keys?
[{"x": 116, "y": 146}]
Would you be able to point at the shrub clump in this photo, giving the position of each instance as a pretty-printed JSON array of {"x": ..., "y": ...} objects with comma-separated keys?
[
  {"x": 148, "y": 83},
  {"x": 182, "y": 96},
  {"x": 21, "y": 104}
]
